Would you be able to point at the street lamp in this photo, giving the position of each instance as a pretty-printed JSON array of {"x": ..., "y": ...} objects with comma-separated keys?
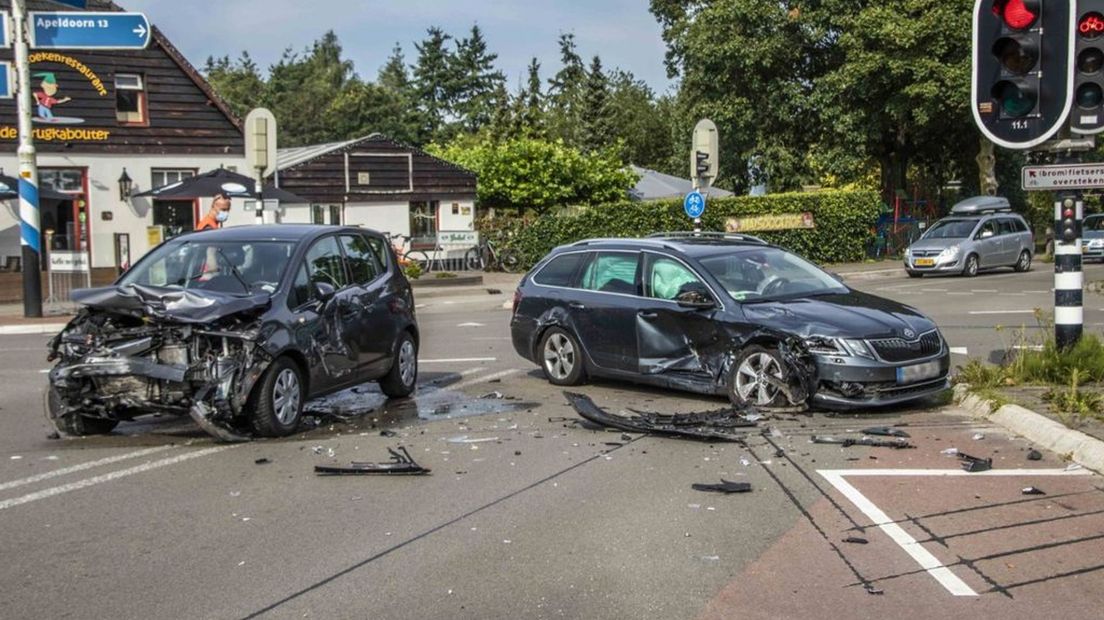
[{"x": 126, "y": 184}]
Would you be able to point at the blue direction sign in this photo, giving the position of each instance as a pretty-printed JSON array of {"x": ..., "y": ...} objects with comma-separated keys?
[
  {"x": 5, "y": 80},
  {"x": 89, "y": 30},
  {"x": 694, "y": 204}
]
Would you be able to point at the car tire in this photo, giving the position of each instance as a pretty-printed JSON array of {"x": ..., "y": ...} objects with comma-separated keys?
[
  {"x": 744, "y": 385},
  {"x": 915, "y": 274},
  {"x": 75, "y": 424},
  {"x": 561, "y": 357},
  {"x": 970, "y": 268},
  {"x": 278, "y": 399},
  {"x": 1024, "y": 263},
  {"x": 402, "y": 379}
]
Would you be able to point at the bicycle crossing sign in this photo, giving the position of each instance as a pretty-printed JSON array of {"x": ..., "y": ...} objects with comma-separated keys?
[{"x": 694, "y": 204}]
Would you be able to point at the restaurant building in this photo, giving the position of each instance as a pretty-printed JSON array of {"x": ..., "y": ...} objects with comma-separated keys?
[{"x": 102, "y": 118}]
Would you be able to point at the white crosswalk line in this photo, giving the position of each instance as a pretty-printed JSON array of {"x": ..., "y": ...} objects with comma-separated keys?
[{"x": 65, "y": 471}]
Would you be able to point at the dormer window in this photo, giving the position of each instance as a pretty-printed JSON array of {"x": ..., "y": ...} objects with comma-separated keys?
[{"x": 130, "y": 99}]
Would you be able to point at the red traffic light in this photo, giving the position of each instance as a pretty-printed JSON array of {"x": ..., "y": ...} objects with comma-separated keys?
[
  {"x": 1091, "y": 25},
  {"x": 1017, "y": 14},
  {"x": 1068, "y": 213}
]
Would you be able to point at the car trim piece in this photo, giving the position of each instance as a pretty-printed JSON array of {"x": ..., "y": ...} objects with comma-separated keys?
[{"x": 873, "y": 349}]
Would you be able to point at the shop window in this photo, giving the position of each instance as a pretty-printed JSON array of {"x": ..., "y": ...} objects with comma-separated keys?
[
  {"x": 160, "y": 177},
  {"x": 130, "y": 99},
  {"x": 335, "y": 215},
  {"x": 423, "y": 223},
  {"x": 318, "y": 214}
]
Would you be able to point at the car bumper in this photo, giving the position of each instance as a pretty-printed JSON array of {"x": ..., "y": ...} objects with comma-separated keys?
[
  {"x": 1091, "y": 252},
  {"x": 947, "y": 266},
  {"x": 851, "y": 382},
  {"x": 523, "y": 332}
]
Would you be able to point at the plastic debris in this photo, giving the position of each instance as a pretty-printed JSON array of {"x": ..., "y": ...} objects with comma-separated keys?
[
  {"x": 401, "y": 463},
  {"x": 1034, "y": 455},
  {"x": 726, "y": 487},
  {"x": 388, "y": 433},
  {"x": 719, "y": 425},
  {"x": 885, "y": 431},
  {"x": 949, "y": 452},
  {"x": 318, "y": 449},
  {"x": 856, "y": 540},
  {"x": 974, "y": 464},
  {"x": 465, "y": 439},
  {"x": 870, "y": 589},
  {"x": 262, "y": 461},
  {"x": 16, "y": 457},
  {"x": 1073, "y": 467},
  {"x": 1033, "y": 491},
  {"x": 847, "y": 442},
  {"x": 978, "y": 436},
  {"x": 496, "y": 395}
]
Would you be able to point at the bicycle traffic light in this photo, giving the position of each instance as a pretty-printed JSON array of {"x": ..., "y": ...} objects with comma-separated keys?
[
  {"x": 1088, "y": 83},
  {"x": 702, "y": 164},
  {"x": 1069, "y": 226},
  {"x": 1022, "y": 75}
]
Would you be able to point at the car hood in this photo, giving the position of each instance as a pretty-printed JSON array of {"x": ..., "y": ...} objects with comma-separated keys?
[
  {"x": 935, "y": 244},
  {"x": 1092, "y": 234},
  {"x": 183, "y": 306},
  {"x": 841, "y": 315}
]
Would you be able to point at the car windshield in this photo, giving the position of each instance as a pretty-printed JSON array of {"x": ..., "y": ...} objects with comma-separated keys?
[
  {"x": 1094, "y": 223},
  {"x": 768, "y": 274},
  {"x": 225, "y": 267},
  {"x": 951, "y": 229}
]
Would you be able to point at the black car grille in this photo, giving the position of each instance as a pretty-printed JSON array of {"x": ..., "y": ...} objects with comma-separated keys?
[{"x": 901, "y": 350}]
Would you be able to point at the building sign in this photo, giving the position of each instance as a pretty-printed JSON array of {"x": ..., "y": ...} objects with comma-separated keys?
[
  {"x": 1063, "y": 176},
  {"x": 68, "y": 262},
  {"x": 780, "y": 221},
  {"x": 155, "y": 235},
  {"x": 52, "y": 123},
  {"x": 465, "y": 238}
]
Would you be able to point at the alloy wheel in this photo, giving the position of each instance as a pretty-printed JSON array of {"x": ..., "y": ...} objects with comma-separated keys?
[
  {"x": 286, "y": 395},
  {"x": 751, "y": 379},
  {"x": 408, "y": 362},
  {"x": 559, "y": 356}
]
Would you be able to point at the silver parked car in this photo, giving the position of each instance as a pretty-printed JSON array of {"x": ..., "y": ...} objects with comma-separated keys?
[
  {"x": 1092, "y": 237},
  {"x": 981, "y": 233}
]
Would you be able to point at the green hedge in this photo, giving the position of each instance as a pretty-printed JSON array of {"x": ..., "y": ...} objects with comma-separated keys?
[{"x": 843, "y": 223}]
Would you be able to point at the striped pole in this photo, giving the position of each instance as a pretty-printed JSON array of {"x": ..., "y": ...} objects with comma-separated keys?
[
  {"x": 30, "y": 238},
  {"x": 1068, "y": 311}
]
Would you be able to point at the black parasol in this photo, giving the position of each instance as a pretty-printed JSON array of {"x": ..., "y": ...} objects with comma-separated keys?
[
  {"x": 9, "y": 188},
  {"x": 208, "y": 184}
]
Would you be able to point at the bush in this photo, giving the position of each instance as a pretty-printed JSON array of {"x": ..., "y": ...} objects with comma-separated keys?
[
  {"x": 412, "y": 270},
  {"x": 843, "y": 221}
]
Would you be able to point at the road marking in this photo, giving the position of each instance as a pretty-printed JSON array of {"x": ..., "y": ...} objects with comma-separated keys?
[
  {"x": 65, "y": 471},
  {"x": 115, "y": 475},
  {"x": 984, "y": 290},
  {"x": 933, "y": 290},
  {"x": 491, "y": 377},
  {"x": 457, "y": 360},
  {"x": 959, "y": 351},
  {"x": 940, "y": 572},
  {"x": 960, "y": 293},
  {"x": 1037, "y": 292},
  {"x": 1028, "y": 347},
  {"x": 39, "y": 328},
  {"x": 471, "y": 325},
  {"x": 1002, "y": 312}
]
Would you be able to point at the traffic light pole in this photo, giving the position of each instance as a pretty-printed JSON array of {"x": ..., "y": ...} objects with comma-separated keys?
[
  {"x": 1068, "y": 280},
  {"x": 30, "y": 223}
]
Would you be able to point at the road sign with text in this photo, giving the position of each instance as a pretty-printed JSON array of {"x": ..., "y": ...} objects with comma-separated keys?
[
  {"x": 88, "y": 30},
  {"x": 1063, "y": 177}
]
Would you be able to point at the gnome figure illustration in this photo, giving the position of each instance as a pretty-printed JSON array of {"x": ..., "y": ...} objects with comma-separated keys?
[{"x": 45, "y": 97}]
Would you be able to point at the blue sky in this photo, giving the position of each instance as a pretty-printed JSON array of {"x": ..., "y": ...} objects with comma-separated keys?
[{"x": 622, "y": 32}]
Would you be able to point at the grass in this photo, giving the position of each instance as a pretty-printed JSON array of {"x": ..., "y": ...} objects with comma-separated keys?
[{"x": 1074, "y": 405}]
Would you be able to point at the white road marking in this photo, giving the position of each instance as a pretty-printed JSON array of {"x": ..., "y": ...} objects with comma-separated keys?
[
  {"x": 940, "y": 572},
  {"x": 419, "y": 306},
  {"x": 960, "y": 293},
  {"x": 1028, "y": 347},
  {"x": 35, "y": 328},
  {"x": 960, "y": 351},
  {"x": 115, "y": 475},
  {"x": 1002, "y": 312},
  {"x": 986, "y": 290},
  {"x": 65, "y": 471},
  {"x": 471, "y": 325},
  {"x": 491, "y": 377},
  {"x": 1037, "y": 292},
  {"x": 457, "y": 360},
  {"x": 933, "y": 290}
]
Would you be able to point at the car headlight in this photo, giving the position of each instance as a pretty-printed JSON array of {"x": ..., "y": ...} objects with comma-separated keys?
[
  {"x": 908, "y": 252},
  {"x": 950, "y": 254},
  {"x": 858, "y": 348},
  {"x": 838, "y": 346}
]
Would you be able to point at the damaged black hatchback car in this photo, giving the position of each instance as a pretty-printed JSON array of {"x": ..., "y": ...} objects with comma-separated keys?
[
  {"x": 726, "y": 315},
  {"x": 237, "y": 328}
]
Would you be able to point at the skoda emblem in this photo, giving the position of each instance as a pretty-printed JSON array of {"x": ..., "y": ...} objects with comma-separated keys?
[{"x": 909, "y": 333}]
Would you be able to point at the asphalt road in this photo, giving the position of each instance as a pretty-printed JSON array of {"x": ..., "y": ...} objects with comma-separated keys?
[{"x": 528, "y": 514}]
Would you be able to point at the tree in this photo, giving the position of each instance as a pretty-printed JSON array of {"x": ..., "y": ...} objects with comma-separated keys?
[
  {"x": 433, "y": 81},
  {"x": 473, "y": 94},
  {"x": 565, "y": 92},
  {"x": 239, "y": 82},
  {"x": 641, "y": 122},
  {"x": 528, "y": 173},
  {"x": 394, "y": 78},
  {"x": 362, "y": 108},
  {"x": 301, "y": 90},
  {"x": 597, "y": 126},
  {"x": 529, "y": 117}
]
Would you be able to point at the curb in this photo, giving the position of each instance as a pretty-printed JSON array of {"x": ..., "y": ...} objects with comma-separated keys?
[
  {"x": 871, "y": 274},
  {"x": 431, "y": 281},
  {"x": 1082, "y": 449},
  {"x": 31, "y": 328}
]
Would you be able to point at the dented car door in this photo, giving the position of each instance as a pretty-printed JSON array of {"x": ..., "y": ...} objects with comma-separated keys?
[
  {"x": 604, "y": 310},
  {"x": 336, "y": 341},
  {"x": 672, "y": 336},
  {"x": 375, "y": 326}
]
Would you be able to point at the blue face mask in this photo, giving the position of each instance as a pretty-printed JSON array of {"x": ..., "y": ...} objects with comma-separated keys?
[{"x": 222, "y": 216}]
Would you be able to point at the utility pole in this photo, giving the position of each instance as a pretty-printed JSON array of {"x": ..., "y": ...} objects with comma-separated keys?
[{"x": 30, "y": 222}]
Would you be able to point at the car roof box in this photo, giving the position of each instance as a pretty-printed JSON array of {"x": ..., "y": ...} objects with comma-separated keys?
[{"x": 981, "y": 204}]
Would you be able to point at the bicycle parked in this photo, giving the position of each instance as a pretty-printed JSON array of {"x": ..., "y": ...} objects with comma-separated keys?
[
  {"x": 418, "y": 257},
  {"x": 485, "y": 256}
]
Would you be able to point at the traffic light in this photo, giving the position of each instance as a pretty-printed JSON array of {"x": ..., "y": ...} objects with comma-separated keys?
[
  {"x": 1069, "y": 226},
  {"x": 702, "y": 164},
  {"x": 1022, "y": 75},
  {"x": 1088, "y": 82}
]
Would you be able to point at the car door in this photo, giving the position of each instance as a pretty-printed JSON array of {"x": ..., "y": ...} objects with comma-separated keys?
[
  {"x": 603, "y": 310},
  {"x": 375, "y": 326},
  {"x": 1009, "y": 240},
  {"x": 339, "y": 346},
  {"x": 988, "y": 244},
  {"x": 670, "y": 336}
]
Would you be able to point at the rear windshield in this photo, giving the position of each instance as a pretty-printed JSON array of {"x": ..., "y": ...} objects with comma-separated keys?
[
  {"x": 1094, "y": 223},
  {"x": 951, "y": 229}
]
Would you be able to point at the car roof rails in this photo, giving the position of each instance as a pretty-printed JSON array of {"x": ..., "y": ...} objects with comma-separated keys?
[
  {"x": 708, "y": 235},
  {"x": 981, "y": 205}
]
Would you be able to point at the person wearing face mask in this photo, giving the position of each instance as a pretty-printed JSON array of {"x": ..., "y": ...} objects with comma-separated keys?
[{"x": 217, "y": 215}]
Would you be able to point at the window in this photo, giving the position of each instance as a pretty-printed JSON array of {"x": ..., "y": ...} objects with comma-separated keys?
[
  {"x": 130, "y": 99},
  {"x": 335, "y": 215},
  {"x": 423, "y": 223},
  {"x": 560, "y": 271},
  {"x": 668, "y": 277},
  {"x": 1007, "y": 226},
  {"x": 160, "y": 177},
  {"x": 612, "y": 272},
  {"x": 301, "y": 291},
  {"x": 363, "y": 264},
  {"x": 990, "y": 226},
  {"x": 379, "y": 248},
  {"x": 324, "y": 263},
  {"x": 318, "y": 214}
]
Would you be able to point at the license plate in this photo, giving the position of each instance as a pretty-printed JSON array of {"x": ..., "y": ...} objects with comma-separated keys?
[
  {"x": 925, "y": 262},
  {"x": 919, "y": 372}
]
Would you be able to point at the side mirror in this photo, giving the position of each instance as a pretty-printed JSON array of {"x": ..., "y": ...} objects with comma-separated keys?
[
  {"x": 696, "y": 299},
  {"x": 985, "y": 234},
  {"x": 324, "y": 291}
]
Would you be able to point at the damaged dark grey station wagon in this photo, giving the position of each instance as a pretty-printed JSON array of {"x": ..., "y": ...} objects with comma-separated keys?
[
  {"x": 237, "y": 328},
  {"x": 725, "y": 315}
]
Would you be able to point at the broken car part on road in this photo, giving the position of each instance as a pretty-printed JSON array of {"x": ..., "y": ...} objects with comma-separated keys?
[
  {"x": 401, "y": 463},
  {"x": 847, "y": 442},
  {"x": 726, "y": 486},
  {"x": 721, "y": 425},
  {"x": 974, "y": 464}
]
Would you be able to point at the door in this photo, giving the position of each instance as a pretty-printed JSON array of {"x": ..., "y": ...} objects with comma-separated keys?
[
  {"x": 338, "y": 343},
  {"x": 604, "y": 310},
  {"x": 988, "y": 244},
  {"x": 671, "y": 338},
  {"x": 177, "y": 216},
  {"x": 1010, "y": 241},
  {"x": 375, "y": 328}
]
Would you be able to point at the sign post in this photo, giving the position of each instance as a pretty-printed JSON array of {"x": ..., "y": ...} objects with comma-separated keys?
[
  {"x": 704, "y": 154},
  {"x": 260, "y": 151},
  {"x": 30, "y": 222},
  {"x": 89, "y": 30}
]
